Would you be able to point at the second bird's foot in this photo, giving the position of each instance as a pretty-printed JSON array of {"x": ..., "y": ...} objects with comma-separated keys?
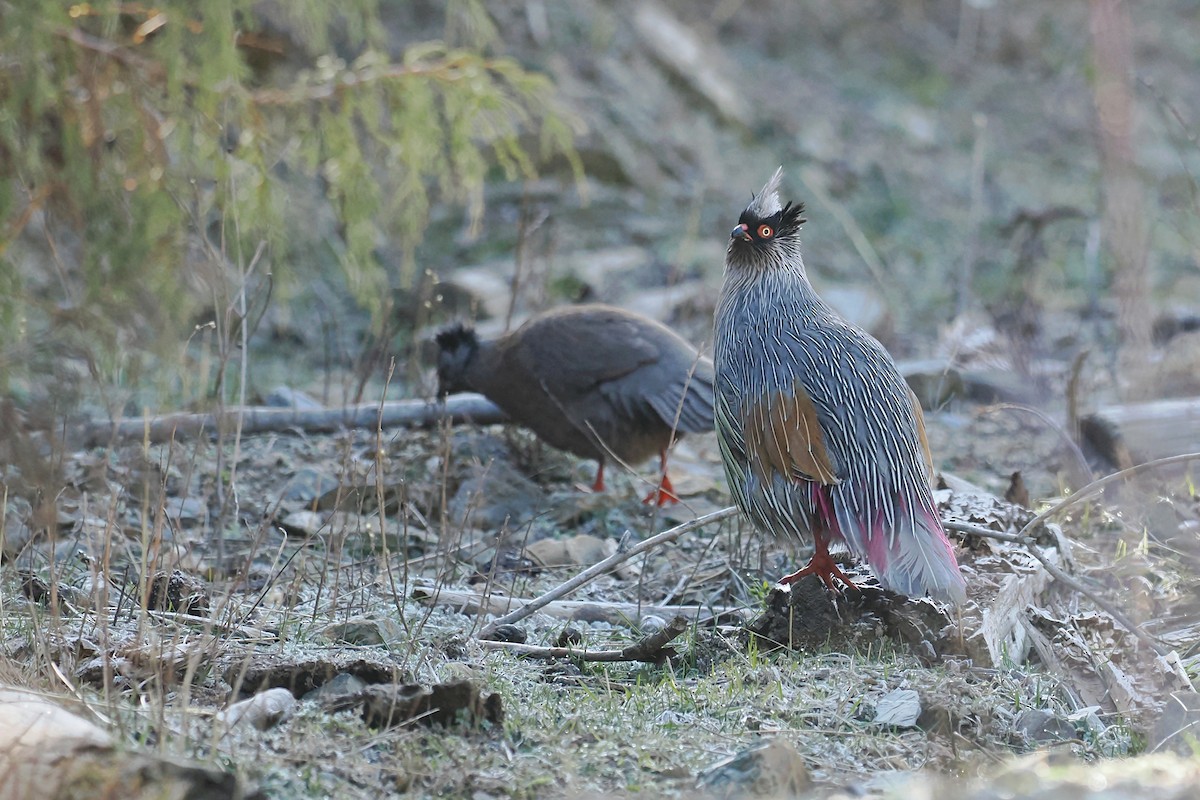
[{"x": 665, "y": 493}]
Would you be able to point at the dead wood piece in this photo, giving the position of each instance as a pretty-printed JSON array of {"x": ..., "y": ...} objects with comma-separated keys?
[
  {"x": 1062, "y": 577},
  {"x": 805, "y": 616},
  {"x": 1132, "y": 433},
  {"x": 263, "y": 419},
  {"x": 445, "y": 704},
  {"x": 473, "y": 603},
  {"x": 178, "y": 591},
  {"x": 937, "y": 381},
  {"x": 651, "y": 649},
  {"x": 302, "y": 675}
]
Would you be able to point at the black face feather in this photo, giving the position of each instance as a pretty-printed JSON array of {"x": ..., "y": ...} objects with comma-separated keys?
[
  {"x": 456, "y": 336},
  {"x": 784, "y": 222},
  {"x": 457, "y": 346}
]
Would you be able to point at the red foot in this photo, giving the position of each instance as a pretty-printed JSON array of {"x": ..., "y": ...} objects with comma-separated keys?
[
  {"x": 665, "y": 493},
  {"x": 598, "y": 486},
  {"x": 824, "y": 567}
]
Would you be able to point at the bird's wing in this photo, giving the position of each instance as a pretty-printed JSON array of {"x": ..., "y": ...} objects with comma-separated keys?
[
  {"x": 685, "y": 400},
  {"x": 587, "y": 352},
  {"x": 616, "y": 360},
  {"x": 783, "y": 434}
]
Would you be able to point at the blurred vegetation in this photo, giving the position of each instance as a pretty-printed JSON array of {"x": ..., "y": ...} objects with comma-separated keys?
[{"x": 157, "y": 169}]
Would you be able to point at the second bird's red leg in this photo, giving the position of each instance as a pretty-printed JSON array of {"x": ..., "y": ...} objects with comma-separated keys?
[
  {"x": 822, "y": 565},
  {"x": 598, "y": 486},
  {"x": 665, "y": 493}
]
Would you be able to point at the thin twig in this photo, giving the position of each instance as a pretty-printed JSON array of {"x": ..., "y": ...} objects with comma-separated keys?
[
  {"x": 621, "y": 556},
  {"x": 591, "y": 610},
  {"x": 651, "y": 649},
  {"x": 1093, "y": 488},
  {"x": 1059, "y": 575}
]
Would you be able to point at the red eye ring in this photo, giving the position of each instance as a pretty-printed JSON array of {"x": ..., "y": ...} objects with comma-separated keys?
[{"x": 765, "y": 231}]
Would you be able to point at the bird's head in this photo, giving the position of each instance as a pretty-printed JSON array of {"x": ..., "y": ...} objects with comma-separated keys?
[
  {"x": 457, "y": 346},
  {"x": 767, "y": 234}
]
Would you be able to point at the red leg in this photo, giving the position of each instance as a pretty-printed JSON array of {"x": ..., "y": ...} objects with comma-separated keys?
[
  {"x": 823, "y": 566},
  {"x": 598, "y": 486},
  {"x": 665, "y": 493}
]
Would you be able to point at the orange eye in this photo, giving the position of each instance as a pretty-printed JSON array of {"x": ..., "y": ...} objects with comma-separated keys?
[{"x": 765, "y": 231}]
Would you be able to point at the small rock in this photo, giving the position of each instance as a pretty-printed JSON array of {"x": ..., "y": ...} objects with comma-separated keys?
[
  {"x": 1043, "y": 725},
  {"x": 186, "y": 509},
  {"x": 362, "y": 631},
  {"x": 652, "y": 624},
  {"x": 34, "y": 587},
  {"x": 303, "y": 523},
  {"x": 495, "y": 496},
  {"x": 262, "y": 711},
  {"x": 569, "y": 637},
  {"x": 505, "y": 633},
  {"x": 771, "y": 769},
  {"x": 308, "y": 484},
  {"x": 1178, "y": 728},
  {"x": 582, "y": 550},
  {"x": 341, "y": 685},
  {"x": 899, "y": 708}
]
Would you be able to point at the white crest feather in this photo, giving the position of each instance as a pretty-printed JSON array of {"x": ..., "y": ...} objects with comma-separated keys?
[{"x": 766, "y": 202}]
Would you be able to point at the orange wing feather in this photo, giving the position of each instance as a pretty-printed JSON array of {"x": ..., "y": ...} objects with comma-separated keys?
[
  {"x": 920, "y": 419},
  {"x": 783, "y": 435}
]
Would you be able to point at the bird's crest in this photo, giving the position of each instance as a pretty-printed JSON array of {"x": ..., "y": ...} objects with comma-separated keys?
[
  {"x": 766, "y": 202},
  {"x": 455, "y": 336}
]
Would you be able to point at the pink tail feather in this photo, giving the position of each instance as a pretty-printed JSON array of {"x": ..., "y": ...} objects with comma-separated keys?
[{"x": 917, "y": 559}]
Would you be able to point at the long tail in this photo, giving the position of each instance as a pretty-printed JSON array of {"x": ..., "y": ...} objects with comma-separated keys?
[{"x": 916, "y": 558}]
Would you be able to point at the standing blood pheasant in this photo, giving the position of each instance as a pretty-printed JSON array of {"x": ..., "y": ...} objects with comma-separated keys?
[
  {"x": 594, "y": 380},
  {"x": 821, "y": 437}
]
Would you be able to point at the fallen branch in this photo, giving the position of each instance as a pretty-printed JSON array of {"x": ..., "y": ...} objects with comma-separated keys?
[
  {"x": 269, "y": 419},
  {"x": 1063, "y": 577},
  {"x": 583, "y": 610},
  {"x": 652, "y": 649},
  {"x": 620, "y": 557}
]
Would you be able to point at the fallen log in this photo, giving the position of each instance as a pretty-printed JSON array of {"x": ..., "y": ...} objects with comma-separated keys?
[
  {"x": 1134, "y": 433},
  {"x": 268, "y": 419}
]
